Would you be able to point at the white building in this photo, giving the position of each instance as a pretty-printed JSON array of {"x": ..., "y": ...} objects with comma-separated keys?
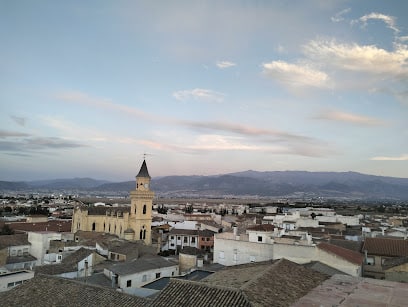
[
  {"x": 135, "y": 274},
  {"x": 12, "y": 279}
]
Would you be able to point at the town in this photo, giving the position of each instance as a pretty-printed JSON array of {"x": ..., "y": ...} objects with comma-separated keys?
[{"x": 149, "y": 251}]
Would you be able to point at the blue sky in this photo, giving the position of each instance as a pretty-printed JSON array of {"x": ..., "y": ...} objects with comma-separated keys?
[{"x": 203, "y": 87}]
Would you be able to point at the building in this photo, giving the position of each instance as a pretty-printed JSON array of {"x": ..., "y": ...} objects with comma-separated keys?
[
  {"x": 15, "y": 252},
  {"x": 136, "y": 273},
  {"x": 12, "y": 279},
  {"x": 131, "y": 222},
  {"x": 379, "y": 251}
]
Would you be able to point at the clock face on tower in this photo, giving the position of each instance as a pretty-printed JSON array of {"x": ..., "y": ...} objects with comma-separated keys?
[{"x": 146, "y": 185}]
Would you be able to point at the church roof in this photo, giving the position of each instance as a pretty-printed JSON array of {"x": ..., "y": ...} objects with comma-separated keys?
[{"x": 143, "y": 170}]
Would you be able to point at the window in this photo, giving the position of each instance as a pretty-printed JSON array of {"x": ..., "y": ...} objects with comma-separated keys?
[
  {"x": 259, "y": 238},
  {"x": 158, "y": 275},
  {"x": 10, "y": 284},
  {"x": 193, "y": 240},
  {"x": 179, "y": 238},
  {"x": 185, "y": 240},
  {"x": 144, "y": 209},
  {"x": 202, "y": 239},
  {"x": 172, "y": 273},
  {"x": 370, "y": 260},
  {"x": 172, "y": 244},
  {"x": 172, "y": 237},
  {"x": 207, "y": 239},
  {"x": 144, "y": 278},
  {"x": 93, "y": 226},
  {"x": 129, "y": 283}
]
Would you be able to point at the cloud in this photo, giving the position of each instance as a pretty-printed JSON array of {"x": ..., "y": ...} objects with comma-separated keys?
[
  {"x": 403, "y": 157},
  {"x": 353, "y": 57},
  {"x": 388, "y": 20},
  {"x": 339, "y": 16},
  {"x": 349, "y": 118},
  {"x": 39, "y": 143},
  {"x": 225, "y": 64},
  {"x": 19, "y": 120},
  {"x": 199, "y": 94},
  {"x": 101, "y": 103},
  {"x": 295, "y": 74},
  {"x": 6, "y": 134}
]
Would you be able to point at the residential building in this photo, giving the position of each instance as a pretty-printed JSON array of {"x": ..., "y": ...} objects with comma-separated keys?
[
  {"x": 10, "y": 280},
  {"x": 378, "y": 251},
  {"x": 136, "y": 273},
  {"x": 15, "y": 252}
]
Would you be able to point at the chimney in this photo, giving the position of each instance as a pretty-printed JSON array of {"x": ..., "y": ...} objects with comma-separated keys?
[
  {"x": 235, "y": 230},
  {"x": 114, "y": 280}
]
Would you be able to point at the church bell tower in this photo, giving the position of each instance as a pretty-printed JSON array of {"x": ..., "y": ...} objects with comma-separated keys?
[{"x": 141, "y": 200}]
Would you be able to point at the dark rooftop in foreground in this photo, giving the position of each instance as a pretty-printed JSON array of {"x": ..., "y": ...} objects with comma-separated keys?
[{"x": 47, "y": 291}]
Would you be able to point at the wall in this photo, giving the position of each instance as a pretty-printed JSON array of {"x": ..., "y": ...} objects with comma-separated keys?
[
  {"x": 232, "y": 252},
  {"x": 40, "y": 243},
  {"x": 397, "y": 273},
  {"x": 296, "y": 253},
  {"x": 139, "y": 280},
  {"x": 339, "y": 263},
  {"x": 187, "y": 262}
]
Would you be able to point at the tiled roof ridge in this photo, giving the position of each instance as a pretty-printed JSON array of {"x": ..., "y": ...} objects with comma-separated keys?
[
  {"x": 349, "y": 255},
  {"x": 84, "y": 284},
  {"x": 273, "y": 265},
  {"x": 201, "y": 284}
]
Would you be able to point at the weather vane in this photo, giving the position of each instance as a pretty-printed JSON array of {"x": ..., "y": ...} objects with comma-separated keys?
[{"x": 146, "y": 154}]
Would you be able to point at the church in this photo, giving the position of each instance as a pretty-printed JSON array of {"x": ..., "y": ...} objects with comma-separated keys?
[{"x": 129, "y": 222}]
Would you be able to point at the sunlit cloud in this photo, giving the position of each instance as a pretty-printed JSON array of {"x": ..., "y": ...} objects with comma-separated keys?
[
  {"x": 349, "y": 118},
  {"x": 225, "y": 64},
  {"x": 199, "y": 94},
  {"x": 388, "y": 20},
  {"x": 353, "y": 57},
  {"x": 403, "y": 157},
  {"x": 295, "y": 75}
]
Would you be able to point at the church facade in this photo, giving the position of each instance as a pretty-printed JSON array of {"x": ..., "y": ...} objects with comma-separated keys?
[{"x": 131, "y": 222}]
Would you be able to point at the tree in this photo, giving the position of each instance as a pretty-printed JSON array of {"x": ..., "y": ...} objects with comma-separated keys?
[{"x": 6, "y": 230}]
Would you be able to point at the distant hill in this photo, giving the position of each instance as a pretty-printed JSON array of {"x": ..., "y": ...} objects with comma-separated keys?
[{"x": 249, "y": 183}]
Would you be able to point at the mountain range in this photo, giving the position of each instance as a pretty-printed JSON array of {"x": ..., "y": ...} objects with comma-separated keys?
[{"x": 248, "y": 183}]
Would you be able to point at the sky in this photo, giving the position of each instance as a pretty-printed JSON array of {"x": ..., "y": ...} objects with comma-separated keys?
[{"x": 91, "y": 88}]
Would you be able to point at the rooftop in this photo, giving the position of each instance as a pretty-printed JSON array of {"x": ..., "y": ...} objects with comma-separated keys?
[
  {"x": 344, "y": 290},
  {"x": 52, "y": 291},
  {"x": 13, "y": 240},
  {"x": 347, "y": 254},
  {"x": 386, "y": 247},
  {"x": 141, "y": 265}
]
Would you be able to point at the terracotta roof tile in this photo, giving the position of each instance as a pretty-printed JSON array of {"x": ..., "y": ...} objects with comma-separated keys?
[
  {"x": 51, "y": 291},
  {"x": 349, "y": 255},
  {"x": 188, "y": 293},
  {"x": 13, "y": 240},
  {"x": 386, "y": 247},
  {"x": 52, "y": 225},
  {"x": 262, "y": 227}
]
